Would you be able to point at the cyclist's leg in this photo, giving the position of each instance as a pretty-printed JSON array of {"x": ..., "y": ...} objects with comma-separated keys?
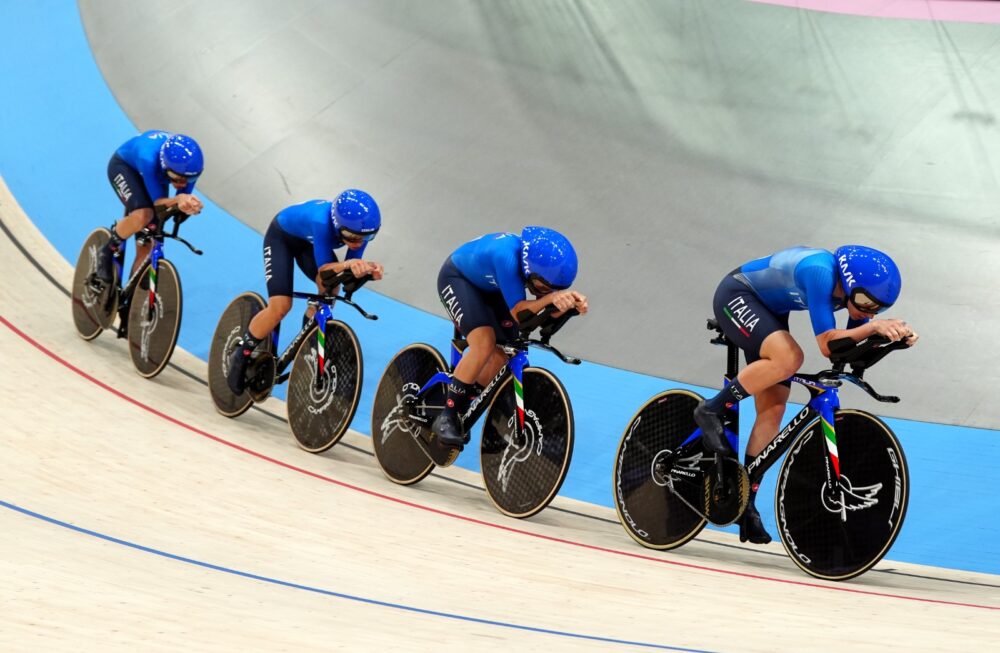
[
  {"x": 764, "y": 338},
  {"x": 778, "y": 358},
  {"x": 278, "y": 269},
  {"x": 142, "y": 249},
  {"x": 131, "y": 191},
  {"x": 473, "y": 316},
  {"x": 504, "y": 330},
  {"x": 305, "y": 258},
  {"x": 281, "y": 252},
  {"x": 770, "y": 404}
]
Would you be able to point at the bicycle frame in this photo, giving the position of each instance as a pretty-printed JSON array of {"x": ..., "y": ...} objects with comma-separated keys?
[
  {"x": 154, "y": 256},
  {"x": 323, "y": 313},
  {"x": 823, "y": 403},
  {"x": 517, "y": 353},
  {"x": 517, "y": 360}
]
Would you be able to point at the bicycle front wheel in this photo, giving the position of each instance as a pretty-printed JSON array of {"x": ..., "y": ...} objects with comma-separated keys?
[
  {"x": 838, "y": 529},
  {"x": 650, "y": 512},
  {"x": 523, "y": 469},
  {"x": 322, "y": 405},
  {"x": 154, "y": 318},
  {"x": 93, "y": 311}
]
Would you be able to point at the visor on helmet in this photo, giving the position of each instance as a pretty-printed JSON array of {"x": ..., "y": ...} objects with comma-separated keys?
[
  {"x": 866, "y": 303},
  {"x": 352, "y": 237},
  {"x": 540, "y": 286}
]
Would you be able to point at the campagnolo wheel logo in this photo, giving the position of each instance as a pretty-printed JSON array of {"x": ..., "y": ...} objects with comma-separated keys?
[
  {"x": 519, "y": 449},
  {"x": 396, "y": 419},
  {"x": 782, "y": 517},
  {"x": 620, "y": 494},
  {"x": 321, "y": 394}
]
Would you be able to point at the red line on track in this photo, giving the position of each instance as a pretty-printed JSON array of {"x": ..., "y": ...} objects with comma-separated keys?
[{"x": 686, "y": 565}]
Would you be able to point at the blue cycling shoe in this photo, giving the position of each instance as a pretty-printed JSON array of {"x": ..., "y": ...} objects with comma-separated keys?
[{"x": 713, "y": 435}]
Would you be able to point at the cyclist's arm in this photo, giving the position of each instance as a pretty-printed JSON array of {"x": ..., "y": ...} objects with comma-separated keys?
[
  {"x": 159, "y": 193},
  {"x": 533, "y": 305},
  {"x": 185, "y": 202},
  {"x": 818, "y": 284},
  {"x": 567, "y": 299},
  {"x": 358, "y": 266},
  {"x": 857, "y": 334}
]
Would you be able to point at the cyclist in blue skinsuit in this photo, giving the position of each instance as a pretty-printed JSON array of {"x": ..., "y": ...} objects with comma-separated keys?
[
  {"x": 307, "y": 234},
  {"x": 482, "y": 286},
  {"x": 752, "y": 305},
  {"x": 140, "y": 171}
]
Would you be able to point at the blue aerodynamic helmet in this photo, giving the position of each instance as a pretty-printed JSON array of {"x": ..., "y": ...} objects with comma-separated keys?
[
  {"x": 181, "y": 155},
  {"x": 548, "y": 256},
  {"x": 355, "y": 211},
  {"x": 869, "y": 277}
]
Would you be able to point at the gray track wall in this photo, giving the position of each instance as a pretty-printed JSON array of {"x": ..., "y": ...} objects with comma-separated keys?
[{"x": 671, "y": 140}]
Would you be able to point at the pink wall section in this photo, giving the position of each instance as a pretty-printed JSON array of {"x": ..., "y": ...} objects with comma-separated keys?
[{"x": 966, "y": 11}]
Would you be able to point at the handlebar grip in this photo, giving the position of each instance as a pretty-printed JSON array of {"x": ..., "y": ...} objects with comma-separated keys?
[
  {"x": 164, "y": 212},
  {"x": 557, "y": 323},
  {"x": 528, "y": 321}
]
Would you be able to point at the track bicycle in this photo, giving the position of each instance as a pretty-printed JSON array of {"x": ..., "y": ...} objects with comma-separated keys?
[
  {"x": 148, "y": 308},
  {"x": 324, "y": 384},
  {"x": 842, "y": 491},
  {"x": 527, "y": 439}
]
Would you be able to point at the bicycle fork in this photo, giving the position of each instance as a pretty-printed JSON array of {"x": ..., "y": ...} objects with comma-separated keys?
[
  {"x": 825, "y": 404},
  {"x": 517, "y": 368},
  {"x": 322, "y": 314},
  {"x": 154, "y": 266}
]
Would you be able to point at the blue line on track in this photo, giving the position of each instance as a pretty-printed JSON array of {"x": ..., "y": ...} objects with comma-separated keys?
[{"x": 340, "y": 595}]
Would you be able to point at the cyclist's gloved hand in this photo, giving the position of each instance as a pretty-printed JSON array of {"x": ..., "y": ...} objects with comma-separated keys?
[
  {"x": 360, "y": 268},
  {"x": 892, "y": 329},
  {"x": 189, "y": 204},
  {"x": 564, "y": 300}
]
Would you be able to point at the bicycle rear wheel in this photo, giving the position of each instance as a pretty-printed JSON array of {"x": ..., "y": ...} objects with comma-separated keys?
[
  {"x": 398, "y": 455},
  {"x": 232, "y": 325},
  {"x": 321, "y": 406},
  {"x": 524, "y": 472},
  {"x": 652, "y": 515},
  {"x": 93, "y": 311},
  {"x": 841, "y": 532},
  {"x": 153, "y": 328}
]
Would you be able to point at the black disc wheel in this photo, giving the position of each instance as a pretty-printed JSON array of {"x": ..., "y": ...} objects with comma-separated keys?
[
  {"x": 94, "y": 303},
  {"x": 231, "y": 327},
  {"x": 652, "y": 514},
  {"x": 523, "y": 468},
  {"x": 834, "y": 526},
  {"x": 324, "y": 386},
  {"x": 154, "y": 318},
  {"x": 393, "y": 433}
]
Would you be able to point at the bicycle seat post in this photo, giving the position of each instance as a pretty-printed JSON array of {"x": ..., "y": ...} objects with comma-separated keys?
[{"x": 731, "y": 418}]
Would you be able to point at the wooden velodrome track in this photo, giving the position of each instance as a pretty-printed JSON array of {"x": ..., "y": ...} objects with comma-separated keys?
[{"x": 136, "y": 518}]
